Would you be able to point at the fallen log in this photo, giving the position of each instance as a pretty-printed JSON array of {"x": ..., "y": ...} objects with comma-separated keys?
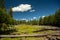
[{"x": 33, "y": 35}]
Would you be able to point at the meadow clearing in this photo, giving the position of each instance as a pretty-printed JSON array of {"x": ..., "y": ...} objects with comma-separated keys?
[{"x": 28, "y": 30}]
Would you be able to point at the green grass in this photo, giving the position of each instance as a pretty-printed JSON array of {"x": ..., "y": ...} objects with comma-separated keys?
[{"x": 26, "y": 29}]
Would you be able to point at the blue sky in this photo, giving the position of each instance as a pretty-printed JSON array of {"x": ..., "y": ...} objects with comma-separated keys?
[{"x": 37, "y": 9}]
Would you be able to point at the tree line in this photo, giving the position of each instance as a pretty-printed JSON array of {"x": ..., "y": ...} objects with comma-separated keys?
[{"x": 52, "y": 20}]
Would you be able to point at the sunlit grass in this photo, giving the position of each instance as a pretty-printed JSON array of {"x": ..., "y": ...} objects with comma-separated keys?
[{"x": 26, "y": 29}]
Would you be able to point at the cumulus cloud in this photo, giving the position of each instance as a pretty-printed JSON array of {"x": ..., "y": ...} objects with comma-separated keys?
[
  {"x": 32, "y": 10},
  {"x": 22, "y": 8}
]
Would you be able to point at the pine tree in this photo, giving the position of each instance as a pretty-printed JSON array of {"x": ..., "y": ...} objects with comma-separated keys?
[
  {"x": 57, "y": 18},
  {"x": 10, "y": 12},
  {"x": 2, "y": 3}
]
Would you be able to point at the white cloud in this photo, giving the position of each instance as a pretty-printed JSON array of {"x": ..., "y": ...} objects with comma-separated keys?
[
  {"x": 22, "y": 8},
  {"x": 43, "y": 16},
  {"x": 31, "y": 19},
  {"x": 34, "y": 17},
  {"x": 32, "y": 10}
]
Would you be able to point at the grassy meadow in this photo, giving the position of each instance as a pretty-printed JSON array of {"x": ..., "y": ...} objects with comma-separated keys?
[{"x": 28, "y": 29}]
